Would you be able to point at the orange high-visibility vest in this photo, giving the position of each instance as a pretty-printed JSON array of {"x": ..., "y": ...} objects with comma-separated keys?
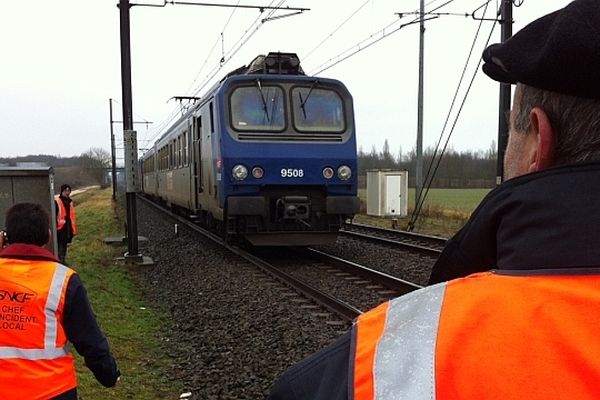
[
  {"x": 34, "y": 362},
  {"x": 487, "y": 337},
  {"x": 61, "y": 219}
]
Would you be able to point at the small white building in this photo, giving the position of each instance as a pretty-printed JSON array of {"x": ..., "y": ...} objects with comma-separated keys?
[{"x": 387, "y": 193}]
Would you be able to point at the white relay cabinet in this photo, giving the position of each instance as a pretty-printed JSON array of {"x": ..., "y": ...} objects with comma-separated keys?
[{"x": 387, "y": 193}]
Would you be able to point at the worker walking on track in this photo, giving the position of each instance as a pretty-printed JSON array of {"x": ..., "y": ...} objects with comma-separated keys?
[
  {"x": 43, "y": 305},
  {"x": 524, "y": 324},
  {"x": 66, "y": 221}
]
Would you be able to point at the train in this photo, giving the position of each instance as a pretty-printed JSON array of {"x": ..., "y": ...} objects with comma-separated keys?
[{"x": 267, "y": 155}]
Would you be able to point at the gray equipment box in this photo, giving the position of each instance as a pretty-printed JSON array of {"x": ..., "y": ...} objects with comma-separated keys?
[
  {"x": 387, "y": 193},
  {"x": 29, "y": 184}
]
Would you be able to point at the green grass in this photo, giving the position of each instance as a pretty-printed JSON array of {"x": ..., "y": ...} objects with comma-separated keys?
[
  {"x": 462, "y": 200},
  {"x": 133, "y": 329},
  {"x": 444, "y": 212}
]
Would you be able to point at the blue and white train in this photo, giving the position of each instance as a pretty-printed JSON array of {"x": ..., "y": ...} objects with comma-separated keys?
[{"x": 268, "y": 154}]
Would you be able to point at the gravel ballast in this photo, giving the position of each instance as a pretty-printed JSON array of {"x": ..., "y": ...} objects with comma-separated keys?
[{"x": 229, "y": 330}]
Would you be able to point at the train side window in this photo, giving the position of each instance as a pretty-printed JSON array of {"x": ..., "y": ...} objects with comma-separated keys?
[
  {"x": 175, "y": 153},
  {"x": 212, "y": 119},
  {"x": 197, "y": 128},
  {"x": 179, "y": 161},
  {"x": 185, "y": 148}
]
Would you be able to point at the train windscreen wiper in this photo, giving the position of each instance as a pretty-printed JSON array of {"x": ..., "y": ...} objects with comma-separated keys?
[
  {"x": 262, "y": 98},
  {"x": 303, "y": 102}
]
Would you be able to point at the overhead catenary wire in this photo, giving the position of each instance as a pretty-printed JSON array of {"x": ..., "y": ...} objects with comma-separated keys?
[
  {"x": 431, "y": 173},
  {"x": 259, "y": 22},
  {"x": 173, "y": 114},
  {"x": 253, "y": 28},
  {"x": 143, "y": 120},
  {"x": 330, "y": 35},
  {"x": 219, "y": 39},
  {"x": 369, "y": 41}
]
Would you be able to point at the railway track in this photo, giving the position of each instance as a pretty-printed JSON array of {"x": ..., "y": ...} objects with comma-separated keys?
[
  {"x": 414, "y": 242},
  {"x": 383, "y": 285},
  {"x": 340, "y": 308},
  {"x": 399, "y": 286},
  {"x": 352, "y": 283}
]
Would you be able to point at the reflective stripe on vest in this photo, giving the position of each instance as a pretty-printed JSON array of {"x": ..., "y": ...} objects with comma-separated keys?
[
  {"x": 486, "y": 336},
  {"x": 397, "y": 361},
  {"x": 50, "y": 350},
  {"x": 32, "y": 354}
]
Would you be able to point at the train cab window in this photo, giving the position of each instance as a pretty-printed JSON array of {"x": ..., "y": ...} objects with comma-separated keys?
[
  {"x": 257, "y": 108},
  {"x": 317, "y": 110}
]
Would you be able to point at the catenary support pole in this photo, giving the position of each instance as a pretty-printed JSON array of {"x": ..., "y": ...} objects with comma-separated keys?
[
  {"x": 419, "y": 165},
  {"x": 112, "y": 154},
  {"x": 128, "y": 132},
  {"x": 505, "y": 92}
]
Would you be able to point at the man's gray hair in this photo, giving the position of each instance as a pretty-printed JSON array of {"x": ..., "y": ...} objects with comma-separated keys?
[{"x": 576, "y": 123}]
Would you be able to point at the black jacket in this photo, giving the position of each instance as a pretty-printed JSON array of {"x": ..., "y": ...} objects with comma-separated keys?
[
  {"x": 547, "y": 219},
  {"x": 65, "y": 235}
]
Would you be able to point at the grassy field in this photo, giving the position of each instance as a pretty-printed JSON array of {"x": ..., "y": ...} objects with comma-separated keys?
[
  {"x": 443, "y": 213},
  {"x": 133, "y": 329}
]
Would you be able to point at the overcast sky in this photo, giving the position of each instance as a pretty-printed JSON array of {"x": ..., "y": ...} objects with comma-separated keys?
[{"x": 60, "y": 64}]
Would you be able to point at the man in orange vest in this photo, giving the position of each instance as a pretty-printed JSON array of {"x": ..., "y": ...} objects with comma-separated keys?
[
  {"x": 66, "y": 221},
  {"x": 43, "y": 305},
  {"x": 524, "y": 324}
]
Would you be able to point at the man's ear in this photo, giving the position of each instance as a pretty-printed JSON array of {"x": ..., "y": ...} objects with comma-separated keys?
[{"x": 545, "y": 137}]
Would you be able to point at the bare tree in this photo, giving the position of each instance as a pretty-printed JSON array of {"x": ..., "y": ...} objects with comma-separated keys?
[{"x": 95, "y": 162}]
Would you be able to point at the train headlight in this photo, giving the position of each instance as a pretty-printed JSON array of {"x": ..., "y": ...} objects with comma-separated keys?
[
  {"x": 257, "y": 172},
  {"x": 327, "y": 172},
  {"x": 344, "y": 172},
  {"x": 239, "y": 172}
]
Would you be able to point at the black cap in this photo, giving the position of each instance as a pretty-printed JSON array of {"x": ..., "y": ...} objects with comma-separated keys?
[
  {"x": 559, "y": 52},
  {"x": 65, "y": 186}
]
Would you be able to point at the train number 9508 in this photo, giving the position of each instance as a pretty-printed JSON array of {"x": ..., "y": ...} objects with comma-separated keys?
[{"x": 292, "y": 173}]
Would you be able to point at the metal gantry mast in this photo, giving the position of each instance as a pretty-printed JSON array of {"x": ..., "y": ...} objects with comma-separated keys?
[
  {"x": 506, "y": 22},
  {"x": 129, "y": 135},
  {"x": 419, "y": 165}
]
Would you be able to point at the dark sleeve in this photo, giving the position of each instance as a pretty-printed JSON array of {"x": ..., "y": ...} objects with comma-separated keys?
[
  {"x": 83, "y": 331},
  {"x": 322, "y": 376}
]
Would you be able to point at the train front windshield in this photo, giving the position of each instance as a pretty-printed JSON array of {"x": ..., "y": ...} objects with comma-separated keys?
[
  {"x": 258, "y": 108},
  {"x": 317, "y": 110},
  {"x": 261, "y": 108}
]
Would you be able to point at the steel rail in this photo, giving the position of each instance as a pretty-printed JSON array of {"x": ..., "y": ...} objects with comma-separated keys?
[
  {"x": 394, "y": 242},
  {"x": 342, "y": 309},
  {"x": 407, "y": 246},
  {"x": 399, "y": 285},
  {"x": 436, "y": 240}
]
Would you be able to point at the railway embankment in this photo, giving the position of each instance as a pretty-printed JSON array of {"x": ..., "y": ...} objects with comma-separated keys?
[{"x": 133, "y": 327}]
